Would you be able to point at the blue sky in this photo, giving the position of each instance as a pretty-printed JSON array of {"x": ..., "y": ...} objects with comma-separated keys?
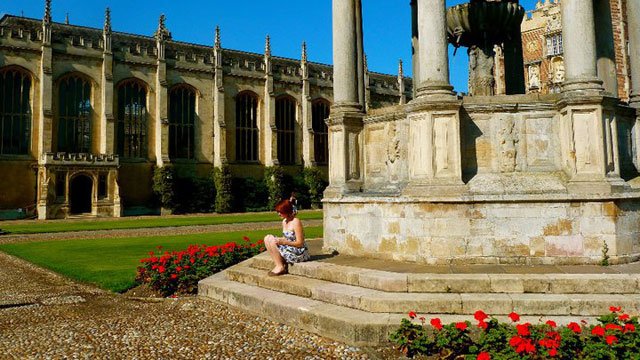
[{"x": 245, "y": 23}]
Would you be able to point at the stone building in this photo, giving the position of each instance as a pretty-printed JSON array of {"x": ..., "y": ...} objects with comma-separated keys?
[
  {"x": 88, "y": 113},
  {"x": 544, "y": 49}
]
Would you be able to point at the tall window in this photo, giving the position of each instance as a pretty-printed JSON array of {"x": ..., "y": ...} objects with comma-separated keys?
[
  {"x": 132, "y": 120},
  {"x": 15, "y": 112},
  {"x": 182, "y": 119},
  {"x": 246, "y": 127},
  {"x": 74, "y": 115},
  {"x": 285, "y": 129},
  {"x": 319, "y": 112},
  {"x": 554, "y": 45}
]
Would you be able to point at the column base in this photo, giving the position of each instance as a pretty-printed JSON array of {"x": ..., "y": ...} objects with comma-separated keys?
[
  {"x": 435, "y": 89},
  {"x": 634, "y": 101},
  {"x": 587, "y": 86}
]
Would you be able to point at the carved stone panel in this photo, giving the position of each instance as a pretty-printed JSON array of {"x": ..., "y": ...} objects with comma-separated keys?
[
  {"x": 376, "y": 141},
  {"x": 586, "y": 141},
  {"x": 443, "y": 144},
  {"x": 508, "y": 139},
  {"x": 539, "y": 143},
  {"x": 420, "y": 146}
]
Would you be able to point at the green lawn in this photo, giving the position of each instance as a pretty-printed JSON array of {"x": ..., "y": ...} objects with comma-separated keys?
[
  {"x": 111, "y": 263},
  {"x": 32, "y": 227}
]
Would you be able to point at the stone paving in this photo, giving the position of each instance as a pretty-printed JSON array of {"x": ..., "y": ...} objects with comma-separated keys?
[{"x": 47, "y": 316}]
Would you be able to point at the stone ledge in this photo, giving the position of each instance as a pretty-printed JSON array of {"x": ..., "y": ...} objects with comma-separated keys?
[{"x": 461, "y": 283}]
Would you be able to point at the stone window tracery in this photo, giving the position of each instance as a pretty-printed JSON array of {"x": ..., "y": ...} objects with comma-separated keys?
[
  {"x": 74, "y": 115},
  {"x": 15, "y": 112},
  {"x": 285, "y": 129},
  {"x": 132, "y": 120},
  {"x": 246, "y": 127},
  {"x": 319, "y": 112},
  {"x": 182, "y": 119}
]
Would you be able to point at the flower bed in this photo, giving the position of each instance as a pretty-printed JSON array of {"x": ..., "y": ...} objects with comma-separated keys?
[
  {"x": 179, "y": 271},
  {"x": 615, "y": 337}
]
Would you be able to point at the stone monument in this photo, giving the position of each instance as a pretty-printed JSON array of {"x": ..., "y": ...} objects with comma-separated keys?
[{"x": 519, "y": 179}]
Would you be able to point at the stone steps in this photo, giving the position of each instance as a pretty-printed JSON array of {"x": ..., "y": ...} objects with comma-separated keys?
[
  {"x": 462, "y": 283},
  {"x": 457, "y": 303},
  {"x": 356, "y": 327},
  {"x": 363, "y": 306}
]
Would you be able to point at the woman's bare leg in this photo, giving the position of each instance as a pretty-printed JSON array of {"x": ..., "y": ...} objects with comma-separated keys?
[{"x": 270, "y": 242}]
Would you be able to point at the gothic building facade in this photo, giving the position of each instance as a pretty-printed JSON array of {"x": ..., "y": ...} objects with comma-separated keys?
[
  {"x": 543, "y": 47},
  {"x": 86, "y": 114}
]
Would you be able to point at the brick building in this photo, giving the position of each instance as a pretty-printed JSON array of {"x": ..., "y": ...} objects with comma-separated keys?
[{"x": 543, "y": 47}]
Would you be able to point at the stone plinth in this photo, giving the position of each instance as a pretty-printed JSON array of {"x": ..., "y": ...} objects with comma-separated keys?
[{"x": 508, "y": 179}]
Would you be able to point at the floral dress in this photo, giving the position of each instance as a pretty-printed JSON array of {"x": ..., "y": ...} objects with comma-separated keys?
[{"x": 292, "y": 254}]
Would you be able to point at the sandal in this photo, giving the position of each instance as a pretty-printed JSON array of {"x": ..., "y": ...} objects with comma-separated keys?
[{"x": 283, "y": 272}]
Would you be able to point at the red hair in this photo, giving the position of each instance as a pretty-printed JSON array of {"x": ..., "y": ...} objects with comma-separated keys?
[{"x": 285, "y": 207}]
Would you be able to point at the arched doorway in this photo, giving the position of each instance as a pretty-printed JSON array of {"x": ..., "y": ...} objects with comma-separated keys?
[{"x": 80, "y": 194}]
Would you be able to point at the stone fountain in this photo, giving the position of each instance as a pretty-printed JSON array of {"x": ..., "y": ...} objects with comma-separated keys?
[{"x": 481, "y": 26}]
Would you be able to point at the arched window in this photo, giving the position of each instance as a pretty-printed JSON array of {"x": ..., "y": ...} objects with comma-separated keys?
[
  {"x": 182, "y": 119},
  {"x": 285, "y": 129},
  {"x": 74, "y": 115},
  {"x": 246, "y": 127},
  {"x": 132, "y": 120},
  {"x": 319, "y": 112},
  {"x": 15, "y": 112}
]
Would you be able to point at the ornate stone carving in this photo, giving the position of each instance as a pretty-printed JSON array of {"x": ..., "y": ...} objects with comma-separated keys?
[
  {"x": 481, "y": 63},
  {"x": 534, "y": 77},
  {"x": 393, "y": 146},
  {"x": 508, "y": 140}
]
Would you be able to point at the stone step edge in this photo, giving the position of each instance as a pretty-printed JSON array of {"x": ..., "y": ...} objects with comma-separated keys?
[
  {"x": 376, "y": 301},
  {"x": 339, "y": 323},
  {"x": 461, "y": 283}
]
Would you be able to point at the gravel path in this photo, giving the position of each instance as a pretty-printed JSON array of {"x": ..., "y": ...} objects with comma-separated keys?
[
  {"x": 46, "y": 316},
  {"x": 158, "y": 231}
]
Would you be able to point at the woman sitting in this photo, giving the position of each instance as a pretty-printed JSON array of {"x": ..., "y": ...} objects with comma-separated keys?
[{"x": 288, "y": 249}]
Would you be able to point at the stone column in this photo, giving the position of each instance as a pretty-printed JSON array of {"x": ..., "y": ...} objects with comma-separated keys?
[
  {"x": 633, "y": 21},
  {"x": 345, "y": 122},
  {"x": 579, "y": 41},
  {"x": 345, "y": 50},
  {"x": 415, "y": 46},
  {"x": 433, "y": 49},
  {"x": 605, "y": 48}
]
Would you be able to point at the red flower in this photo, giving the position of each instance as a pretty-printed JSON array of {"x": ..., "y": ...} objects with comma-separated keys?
[
  {"x": 483, "y": 356},
  {"x": 574, "y": 327},
  {"x": 514, "y": 317},
  {"x": 161, "y": 269},
  {"x": 597, "y": 330},
  {"x": 551, "y": 323},
  {"x": 412, "y": 315},
  {"x": 553, "y": 352},
  {"x": 523, "y": 329},
  {"x": 174, "y": 276},
  {"x": 422, "y": 319},
  {"x": 611, "y": 339},
  {"x": 613, "y": 327},
  {"x": 245, "y": 238},
  {"x": 480, "y": 315},
  {"x": 462, "y": 326},
  {"x": 623, "y": 317},
  {"x": 629, "y": 327},
  {"x": 436, "y": 323},
  {"x": 483, "y": 325},
  {"x": 615, "y": 309},
  {"x": 515, "y": 341}
]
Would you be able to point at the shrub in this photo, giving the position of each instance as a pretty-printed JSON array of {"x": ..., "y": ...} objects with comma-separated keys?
[
  {"x": 249, "y": 194},
  {"x": 315, "y": 185},
  {"x": 163, "y": 185},
  {"x": 224, "y": 198},
  {"x": 274, "y": 178},
  {"x": 180, "y": 271},
  {"x": 615, "y": 337}
]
